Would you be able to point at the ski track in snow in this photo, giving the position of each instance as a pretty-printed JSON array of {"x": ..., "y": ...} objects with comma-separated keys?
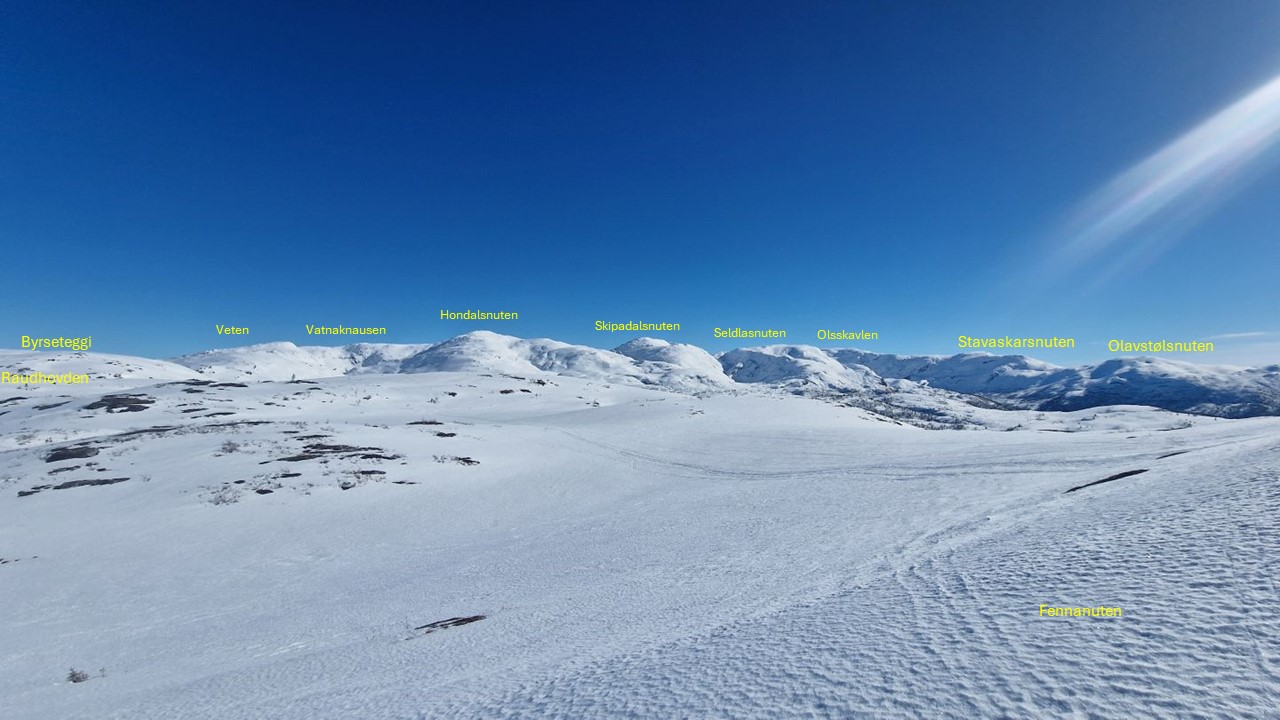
[{"x": 955, "y": 633}]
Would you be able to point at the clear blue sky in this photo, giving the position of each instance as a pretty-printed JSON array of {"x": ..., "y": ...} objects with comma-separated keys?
[{"x": 907, "y": 168}]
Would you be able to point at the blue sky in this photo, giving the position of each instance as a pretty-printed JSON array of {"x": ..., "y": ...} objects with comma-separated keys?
[{"x": 910, "y": 168}]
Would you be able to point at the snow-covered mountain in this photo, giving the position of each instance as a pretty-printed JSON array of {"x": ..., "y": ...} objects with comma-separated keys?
[
  {"x": 642, "y": 362},
  {"x": 1219, "y": 390},
  {"x": 1008, "y": 380},
  {"x": 974, "y": 373},
  {"x": 799, "y": 368},
  {"x": 1019, "y": 381},
  {"x": 645, "y": 361},
  {"x": 285, "y": 360}
]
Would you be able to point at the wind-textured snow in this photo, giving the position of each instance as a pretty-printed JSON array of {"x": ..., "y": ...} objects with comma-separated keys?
[{"x": 500, "y": 537}]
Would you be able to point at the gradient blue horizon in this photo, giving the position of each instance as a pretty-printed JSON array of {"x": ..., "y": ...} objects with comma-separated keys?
[{"x": 878, "y": 166}]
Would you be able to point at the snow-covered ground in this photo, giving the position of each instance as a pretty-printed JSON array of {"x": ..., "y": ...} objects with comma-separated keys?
[{"x": 215, "y": 546}]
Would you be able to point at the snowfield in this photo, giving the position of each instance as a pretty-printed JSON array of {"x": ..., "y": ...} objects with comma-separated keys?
[{"x": 494, "y": 527}]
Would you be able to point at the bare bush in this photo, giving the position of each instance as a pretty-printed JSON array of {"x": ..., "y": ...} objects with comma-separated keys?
[{"x": 225, "y": 495}]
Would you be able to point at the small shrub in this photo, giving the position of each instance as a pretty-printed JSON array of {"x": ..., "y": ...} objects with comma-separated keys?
[
  {"x": 229, "y": 447},
  {"x": 454, "y": 458},
  {"x": 77, "y": 676},
  {"x": 225, "y": 495}
]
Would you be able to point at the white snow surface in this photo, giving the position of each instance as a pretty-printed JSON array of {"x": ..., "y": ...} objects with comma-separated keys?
[{"x": 210, "y": 548}]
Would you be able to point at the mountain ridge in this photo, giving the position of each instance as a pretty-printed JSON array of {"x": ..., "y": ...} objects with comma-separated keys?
[{"x": 1017, "y": 381}]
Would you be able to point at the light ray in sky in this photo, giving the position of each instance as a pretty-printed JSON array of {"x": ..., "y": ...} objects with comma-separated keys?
[
  {"x": 1238, "y": 335},
  {"x": 1152, "y": 202}
]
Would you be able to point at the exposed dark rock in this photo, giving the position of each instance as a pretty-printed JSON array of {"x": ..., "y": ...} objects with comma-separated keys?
[
  {"x": 134, "y": 434},
  {"x": 73, "y": 452},
  {"x": 121, "y": 403},
  {"x": 71, "y": 484},
  {"x": 450, "y": 623},
  {"x": 88, "y": 483},
  {"x": 311, "y": 451},
  {"x": 1109, "y": 478}
]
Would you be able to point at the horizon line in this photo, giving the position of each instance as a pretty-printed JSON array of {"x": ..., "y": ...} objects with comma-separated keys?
[{"x": 1178, "y": 357}]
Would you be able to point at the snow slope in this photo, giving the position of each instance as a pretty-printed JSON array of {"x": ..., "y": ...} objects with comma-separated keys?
[
  {"x": 947, "y": 624},
  {"x": 312, "y": 550},
  {"x": 123, "y": 370}
]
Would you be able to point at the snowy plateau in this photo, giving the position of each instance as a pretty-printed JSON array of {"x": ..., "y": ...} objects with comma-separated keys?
[{"x": 494, "y": 527}]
